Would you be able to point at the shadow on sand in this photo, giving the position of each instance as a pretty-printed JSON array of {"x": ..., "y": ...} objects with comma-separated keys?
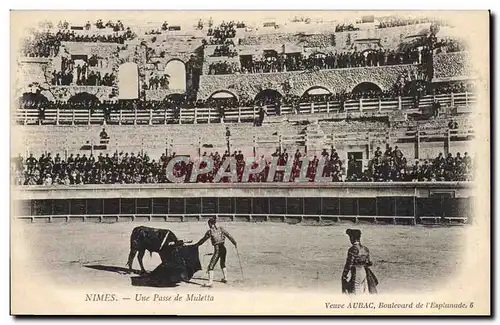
[
  {"x": 115, "y": 269},
  {"x": 143, "y": 279}
]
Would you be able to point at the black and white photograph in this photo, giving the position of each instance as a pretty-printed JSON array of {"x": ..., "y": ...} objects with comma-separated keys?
[{"x": 250, "y": 162}]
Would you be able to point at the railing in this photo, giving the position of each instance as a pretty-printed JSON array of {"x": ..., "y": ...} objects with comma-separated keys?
[{"x": 461, "y": 101}]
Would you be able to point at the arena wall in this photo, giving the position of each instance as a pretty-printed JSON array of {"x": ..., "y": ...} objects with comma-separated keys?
[
  {"x": 339, "y": 80},
  {"x": 180, "y": 190},
  {"x": 408, "y": 203}
]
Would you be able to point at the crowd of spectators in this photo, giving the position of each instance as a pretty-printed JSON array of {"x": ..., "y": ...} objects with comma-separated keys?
[
  {"x": 99, "y": 24},
  {"x": 227, "y": 50},
  {"x": 42, "y": 44},
  {"x": 84, "y": 77},
  {"x": 73, "y": 36},
  {"x": 125, "y": 168},
  {"x": 283, "y": 63},
  {"x": 218, "y": 68},
  {"x": 345, "y": 28},
  {"x": 222, "y": 104},
  {"x": 128, "y": 168},
  {"x": 397, "y": 21},
  {"x": 118, "y": 26},
  {"x": 222, "y": 32},
  {"x": 47, "y": 44}
]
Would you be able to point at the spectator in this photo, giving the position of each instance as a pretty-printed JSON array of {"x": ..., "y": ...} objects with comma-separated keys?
[{"x": 103, "y": 135}]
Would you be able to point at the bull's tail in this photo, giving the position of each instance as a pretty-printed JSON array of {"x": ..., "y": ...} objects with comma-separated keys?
[{"x": 130, "y": 260}]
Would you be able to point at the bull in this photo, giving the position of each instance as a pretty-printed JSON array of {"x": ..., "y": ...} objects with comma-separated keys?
[{"x": 154, "y": 240}]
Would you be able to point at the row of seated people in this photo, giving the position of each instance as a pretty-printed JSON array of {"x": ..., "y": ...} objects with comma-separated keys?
[
  {"x": 398, "y": 21},
  {"x": 345, "y": 28},
  {"x": 137, "y": 169},
  {"x": 218, "y": 41},
  {"x": 118, "y": 26},
  {"x": 392, "y": 166},
  {"x": 226, "y": 50},
  {"x": 355, "y": 59},
  {"x": 117, "y": 37}
]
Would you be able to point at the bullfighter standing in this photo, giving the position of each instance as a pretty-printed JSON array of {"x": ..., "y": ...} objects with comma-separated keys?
[
  {"x": 217, "y": 236},
  {"x": 358, "y": 263}
]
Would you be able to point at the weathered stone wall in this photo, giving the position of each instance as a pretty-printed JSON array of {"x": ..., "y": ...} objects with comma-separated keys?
[
  {"x": 104, "y": 50},
  {"x": 180, "y": 48},
  {"x": 30, "y": 71},
  {"x": 63, "y": 93},
  {"x": 389, "y": 37},
  {"x": 249, "y": 85}
]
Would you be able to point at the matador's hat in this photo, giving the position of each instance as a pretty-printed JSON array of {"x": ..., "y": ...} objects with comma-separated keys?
[{"x": 355, "y": 233}]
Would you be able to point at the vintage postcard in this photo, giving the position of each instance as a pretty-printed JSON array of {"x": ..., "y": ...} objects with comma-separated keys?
[{"x": 250, "y": 163}]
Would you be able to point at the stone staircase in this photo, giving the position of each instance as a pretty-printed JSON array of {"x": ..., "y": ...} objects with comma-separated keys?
[
  {"x": 315, "y": 139},
  {"x": 155, "y": 139}
]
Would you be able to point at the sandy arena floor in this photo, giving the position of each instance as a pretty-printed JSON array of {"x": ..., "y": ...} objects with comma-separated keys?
[{"x": 274, "y": 255}]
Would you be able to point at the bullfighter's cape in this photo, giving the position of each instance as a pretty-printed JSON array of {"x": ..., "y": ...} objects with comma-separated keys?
[
  {"x": 371, "y": 278},
  {"x": 185, "y": 263}
]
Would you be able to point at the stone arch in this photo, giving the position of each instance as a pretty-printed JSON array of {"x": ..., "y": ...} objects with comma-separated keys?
[
  {"x": 222, "y": 100},
  {"x": 316, "y": 90},
  {"x": 366, "y": 86},
  {"x": 223, "y": 93},
  {"x": 175, "y": 69},
  {"x": 268, "y": 97},
  {"x": 128, "y": 81}
]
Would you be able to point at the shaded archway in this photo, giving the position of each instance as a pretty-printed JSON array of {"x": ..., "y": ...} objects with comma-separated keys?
[
  {"x": 223, "y": 99},
  {"x": 84, "y": 98},
  {"x": 316, "y": 94},
  {"x": 175, "y": 72},
  {"x": 29, "y": 99},
  {"x": 268, "y": 97},
  {"x": 175, "y": 98},
  {"x": 366, "y": 87},
  {"x": 128, "y": 81},
  {"x": 34, "y": 97}
]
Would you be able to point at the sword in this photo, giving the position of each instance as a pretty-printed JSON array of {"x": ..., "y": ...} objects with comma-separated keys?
[{"x": 239, "y": 260}]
